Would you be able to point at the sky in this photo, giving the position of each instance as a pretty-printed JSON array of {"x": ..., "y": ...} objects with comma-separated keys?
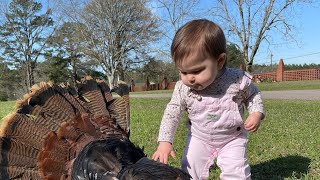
[
  {"x": 308, "y": 48},
  {"x": 303, "y": 49}
]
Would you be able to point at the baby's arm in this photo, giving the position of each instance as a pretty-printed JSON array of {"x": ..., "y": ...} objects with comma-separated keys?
[
  {"x": 253, "y": 101},
  {"x": 170, "y": 121}
]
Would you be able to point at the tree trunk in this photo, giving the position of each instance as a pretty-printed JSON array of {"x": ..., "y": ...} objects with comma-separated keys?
[
  {"x": 249, "y": 67},
  {"x": 110, "y": 80},
  {"x": 28, "y": 75},
  {"x": 74, "y": 71},
  {"x": 122, "y": 75}
]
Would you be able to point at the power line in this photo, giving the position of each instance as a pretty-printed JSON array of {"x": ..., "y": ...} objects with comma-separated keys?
[{"x": 302, "y": 55}]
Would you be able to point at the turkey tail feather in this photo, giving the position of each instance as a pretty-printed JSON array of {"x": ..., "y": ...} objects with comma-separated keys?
[
  {"x": 90, "y": 92},
  {"x": 105, "y": 89},
  {"x": 119, "y": 108},
  {"x": 18, "y": 126},
  {"x": 61, "y": 133},
  {"x": 17, "y": 160},
  {"x": 52, "y": 125}
]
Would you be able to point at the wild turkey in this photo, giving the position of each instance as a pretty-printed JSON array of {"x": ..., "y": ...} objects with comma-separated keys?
[{"x": 61, "y": 132}]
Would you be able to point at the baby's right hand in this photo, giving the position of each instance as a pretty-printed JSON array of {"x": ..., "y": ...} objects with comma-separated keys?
[{"x": 163, "y": 152}]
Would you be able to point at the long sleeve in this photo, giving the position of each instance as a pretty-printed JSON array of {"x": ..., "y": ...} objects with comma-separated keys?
[
  {"x": 253, "y": 99},
  {"x": 172, "y": 114}
]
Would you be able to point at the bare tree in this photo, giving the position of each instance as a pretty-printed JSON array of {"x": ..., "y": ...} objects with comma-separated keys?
[
  {"x": 252, "y": 21},
  {"x": 117, "y": 33},
  {"x": 173, "y": 14}
]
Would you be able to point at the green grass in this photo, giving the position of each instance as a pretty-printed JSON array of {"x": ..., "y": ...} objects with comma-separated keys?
[
  {"x": 6, "y": 107},
  {"x": 152, "y": 92},
  {"x": 286, "y": 146}
]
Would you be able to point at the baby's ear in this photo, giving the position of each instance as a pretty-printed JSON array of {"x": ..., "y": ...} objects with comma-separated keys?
[{"x": 222, "y": 60}]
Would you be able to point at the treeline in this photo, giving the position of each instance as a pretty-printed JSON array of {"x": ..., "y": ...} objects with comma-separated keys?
[
  {"x": 69, "y": 39},
  {"x": 12, "y": 84},
  {"x": 258, "y": 68},
  {"x": 155, "y": 70},
  {"x": 63, "y": 40}
]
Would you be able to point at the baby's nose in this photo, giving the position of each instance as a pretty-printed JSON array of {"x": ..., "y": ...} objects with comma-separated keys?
[{"x": 191, "y": 79}]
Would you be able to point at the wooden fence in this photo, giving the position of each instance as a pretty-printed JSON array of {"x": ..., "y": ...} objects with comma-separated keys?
[
  {"x": 293, "y": 75},
  {"x": 300, "y": 75},
  {"x": 148, "y": 87}
]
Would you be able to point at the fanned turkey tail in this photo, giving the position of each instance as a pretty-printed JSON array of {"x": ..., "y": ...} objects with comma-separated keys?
[
  {"x": 61, "y": 132},
  {"x": 53, "y": 124}
]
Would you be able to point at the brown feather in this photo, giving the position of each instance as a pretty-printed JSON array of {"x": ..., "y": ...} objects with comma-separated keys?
[
  {"x": 119, "y": 110},
  {"x": 50, "y": 167},
  {"x": 51, "y": 102},
  {"x": 17, "y": 153},
  {"x": 36, "y": 89},
  {"x": 40, "y": 117},
  {"x": 89, "y": 91},
  {"x": 54, "y": 103},
  {"x": 52, "y": 145},
  {"x": 56, "y": 176},
  {"x": 68, "y": 131},
  {"x": 105, "y": 89},
  {"x": 71, "y": 95},
  {"x": 23, "y": 173},
  {"x": 20, "y": 127},
  {"x": 55, "y": 145},
  {"x": 53, "y": 124}
]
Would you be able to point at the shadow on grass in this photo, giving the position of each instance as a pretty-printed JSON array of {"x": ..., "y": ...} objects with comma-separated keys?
[{"x": 280, "y": 168}]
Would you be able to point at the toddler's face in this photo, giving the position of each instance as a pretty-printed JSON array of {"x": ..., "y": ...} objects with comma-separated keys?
[{"x": 199, "y": 74}]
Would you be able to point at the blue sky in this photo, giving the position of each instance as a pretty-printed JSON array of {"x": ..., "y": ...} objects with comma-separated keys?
[
  {"x": 304, "y": 48},
  {"x": 308, "y": 48}
]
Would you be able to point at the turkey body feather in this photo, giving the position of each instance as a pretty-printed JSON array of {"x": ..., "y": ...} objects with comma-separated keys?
[{"x": 62, "y": 132}]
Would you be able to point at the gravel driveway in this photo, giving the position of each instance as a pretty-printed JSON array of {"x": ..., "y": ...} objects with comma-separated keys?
[{"x": 290, "y": 94}]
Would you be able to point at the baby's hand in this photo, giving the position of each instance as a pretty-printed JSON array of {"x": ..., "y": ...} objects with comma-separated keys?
[
  {"x": 253, "y": 121},
  {"x": 163, "y": 152}
]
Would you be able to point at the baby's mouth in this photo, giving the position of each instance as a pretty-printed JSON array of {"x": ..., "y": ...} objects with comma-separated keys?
[{"x": 196, "y": 87}]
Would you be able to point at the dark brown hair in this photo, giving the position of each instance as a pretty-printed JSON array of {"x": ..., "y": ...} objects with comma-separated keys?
[{"x": 201, "y": 37}]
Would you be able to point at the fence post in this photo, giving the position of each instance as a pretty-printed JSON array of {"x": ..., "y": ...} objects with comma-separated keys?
[{"x": 280, "y": 71}]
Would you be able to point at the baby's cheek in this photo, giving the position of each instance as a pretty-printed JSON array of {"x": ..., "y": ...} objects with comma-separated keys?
[{"x": 207, "y": 80}]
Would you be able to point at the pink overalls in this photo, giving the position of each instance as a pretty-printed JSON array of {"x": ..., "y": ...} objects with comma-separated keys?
[
  {"x": 216, "y": 127},
  {"x": 226, "y": 141}
]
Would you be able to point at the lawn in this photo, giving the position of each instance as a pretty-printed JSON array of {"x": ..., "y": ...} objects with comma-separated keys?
[
  {"x": 6, "y": 107},
  {"x": 286, "y": 146}
]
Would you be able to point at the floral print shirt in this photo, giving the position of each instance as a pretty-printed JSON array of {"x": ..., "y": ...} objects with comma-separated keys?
[{"x": 232, "y": 86}]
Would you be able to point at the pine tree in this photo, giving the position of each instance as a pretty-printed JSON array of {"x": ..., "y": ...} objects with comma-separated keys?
[{"x": 24, "y": 35}]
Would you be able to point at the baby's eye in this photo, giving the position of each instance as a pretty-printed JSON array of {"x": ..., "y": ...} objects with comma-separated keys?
[
  {"x": 197, "y": 71},
  {"x": 183, "y": 73}
]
